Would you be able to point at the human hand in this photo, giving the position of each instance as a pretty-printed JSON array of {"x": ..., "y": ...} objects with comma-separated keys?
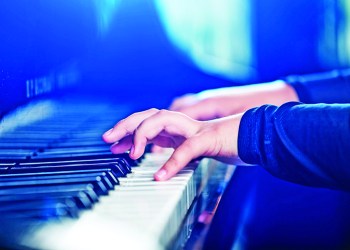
[
  {"x": 216, "y": 103},
  {"x": 190, "y": 138}
]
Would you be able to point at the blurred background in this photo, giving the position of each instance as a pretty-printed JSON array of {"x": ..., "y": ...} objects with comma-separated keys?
[
  {"x": 159, "y": 49},
  {"x": 146, "y": 52}
]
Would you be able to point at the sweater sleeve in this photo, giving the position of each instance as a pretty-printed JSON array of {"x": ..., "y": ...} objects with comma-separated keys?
[
  {"x": 328, "y": 87},
  {"x": 303, "y": 143}
]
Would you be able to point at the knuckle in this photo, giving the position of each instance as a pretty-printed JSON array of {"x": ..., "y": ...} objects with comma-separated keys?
[
  {"x": 172, "y": 164},
  {"x": 143, "y": 130},
  {"x": 206, "y": 102},
  {"x": 120, "y": 123},
  {"x": 163, "y": 112},
  {"x": 187, "y": 148},
  {"x": 145, "y": 124},
  {"x": 153, "y": 110}
]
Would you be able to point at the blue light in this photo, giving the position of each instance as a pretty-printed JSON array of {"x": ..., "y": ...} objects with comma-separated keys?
[
  {"x": 105, "y": 12},
  {"x": 216, "y": 35}
]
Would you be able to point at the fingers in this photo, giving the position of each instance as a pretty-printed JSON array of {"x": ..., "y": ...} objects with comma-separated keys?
[
  {"x": 157, "y": 149},
  {"x": 192, "y": 111},
  {"x": 199, "y": 109},
  {"x": 173, "y": 124},
  {"x": 122, "y": 146},
  {"x": 127, "y": 126},
  {"x": 189, "y": 150},
  {"x": 164, "y": 128},
  {"x": 183, "y": 101}
]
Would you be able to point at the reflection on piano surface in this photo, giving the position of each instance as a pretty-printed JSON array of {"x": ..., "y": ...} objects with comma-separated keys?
[{"x": 60, "y": 188}]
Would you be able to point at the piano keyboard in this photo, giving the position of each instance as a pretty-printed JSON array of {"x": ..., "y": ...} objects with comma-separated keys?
[{"x": 60, "y": 188}]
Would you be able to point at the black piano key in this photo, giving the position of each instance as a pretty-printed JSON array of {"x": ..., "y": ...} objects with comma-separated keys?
[
  {"x": 23, "y": 145},
  {"x": 88, "y": 189},
  {"x": 6, "y": 166},
  {"x": 28, "y": 136},
  {"x": 104, "y": 157},
  {"x": 67, "y": 150},
  {"x": 76, "y": 143},
  {"x": 107, "y": 179},
  {"x": 48, "y": 176},
  {"x": 123, "y": 160},
  {"x": 9, "y": 152},
  {"x": 42, "y": 210},
  {"x": 5, "y": 157},
  {"x": 82, "y": 199},
  {"x": 128, "y": 163},
  {"x": 114, "y": 169},
  {"x": 35, "y": 204},
  {"x": 95, "y": 134},
  {"x": 63, "y": 161},
  {"x": 43, "y": 128},
  {"x": 97, "y": 182},
  {"x": 59, "y": 165},
  {"x": 10, "y": 175},
  {"x": 71, "y": 154},
  {"x": 98, "y": 157}
]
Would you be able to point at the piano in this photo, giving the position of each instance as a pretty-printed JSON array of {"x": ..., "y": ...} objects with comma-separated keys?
[
  {"x": 69, "y": 70},
  {"x": 61, "y": 188},
  {"x": 66, "y": 76}
]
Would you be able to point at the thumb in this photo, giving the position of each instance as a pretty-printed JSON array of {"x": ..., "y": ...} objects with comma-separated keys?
[{"x": 187, "y": 151}]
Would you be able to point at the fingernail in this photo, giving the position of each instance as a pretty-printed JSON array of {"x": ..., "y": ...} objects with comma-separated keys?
[
  {"x": 108, "y": 132},
  {"x": 160, "y": 175},
  {"x": 132, "y": 150},
  {"x": 112, "y": 148}
]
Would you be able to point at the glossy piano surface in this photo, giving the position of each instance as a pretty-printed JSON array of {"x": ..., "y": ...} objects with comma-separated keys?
[{"x": 59, "y": 181}]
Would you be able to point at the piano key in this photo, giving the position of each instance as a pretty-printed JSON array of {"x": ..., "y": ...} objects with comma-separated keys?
[
  {"x": 37, "y": 204},
  {"x": 87, "y": 149},
  {"x": 109, "y": 179},
  {"x": 86, "y": 158},
  {"x": 81, "y": 142},
  {"x": 14, "y": 155},
  {"x": 158, "y": 201},
  {"x": 41, "y": 210},
  {"x": 15, "y": 151},
  {"x": 82, "y": 199},
  {"x": 99, "y": 183},
  {"x": 68, "y": 155},
  {"x": 87, "y": 189},
  {"x": 64, "y": 152},
  {"x": 75, "y": 149},
  {"x": 5, "y": 166},
  {"x": 59, "y": 174},
  {"x": 25, "y": 136},
  {"x": 123, "y": 164},
  {"x": 115, "y": 167},
  {"x": 22, "y": 145}
]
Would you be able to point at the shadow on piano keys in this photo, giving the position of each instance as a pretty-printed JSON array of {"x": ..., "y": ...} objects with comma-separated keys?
[{"x": 60, "y": 188}]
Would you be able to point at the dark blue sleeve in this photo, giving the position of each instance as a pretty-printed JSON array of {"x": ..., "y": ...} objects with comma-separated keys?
[
  {"x": 303, "y": 143},
  {"x": 328, "y": 87}
]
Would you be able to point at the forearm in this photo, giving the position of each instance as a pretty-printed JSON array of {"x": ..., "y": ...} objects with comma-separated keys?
[
  {"x": 307, "y": 144},
  {"x": 233, "y": 100},
  {"x": 328, "y": 87}
]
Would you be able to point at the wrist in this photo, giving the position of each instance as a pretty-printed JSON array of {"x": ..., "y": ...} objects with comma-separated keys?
[
  {"x": 236, "y": 126},
  {"x": 285, "y": 92}
]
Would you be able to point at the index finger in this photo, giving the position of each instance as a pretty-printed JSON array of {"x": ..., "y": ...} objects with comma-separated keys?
[
  {"x": 182, "y": 101},
  {"x": 127, "y": 126}
]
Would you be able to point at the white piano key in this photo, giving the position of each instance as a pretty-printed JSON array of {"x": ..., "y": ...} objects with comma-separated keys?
[{"x": 139, "y": 206}]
